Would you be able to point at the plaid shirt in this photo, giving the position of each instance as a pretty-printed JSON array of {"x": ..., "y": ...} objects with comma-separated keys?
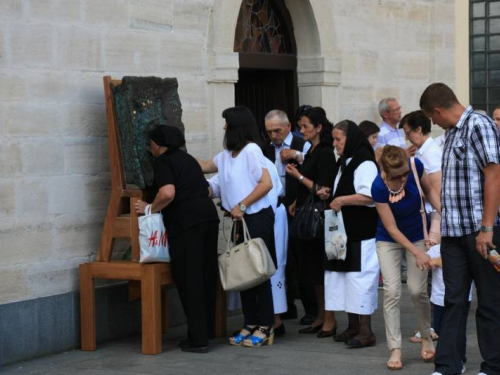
[{"x": 469, "y": 147}]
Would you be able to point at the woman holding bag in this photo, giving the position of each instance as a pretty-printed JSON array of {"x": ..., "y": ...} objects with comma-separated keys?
[
  {"x": 244, "y": 184},
  {"x": 316, "y": 171},
  {"x": 192, "y": 225},
  {"x": 351, "y": 285},
  {"x": 398, "y": 200}
]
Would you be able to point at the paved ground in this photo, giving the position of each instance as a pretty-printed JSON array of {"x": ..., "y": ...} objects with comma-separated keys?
[{"x": 292, "y": 354}]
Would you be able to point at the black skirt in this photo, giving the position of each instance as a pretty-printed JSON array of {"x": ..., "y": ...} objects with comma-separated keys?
[{"x": 352, "y": 262}]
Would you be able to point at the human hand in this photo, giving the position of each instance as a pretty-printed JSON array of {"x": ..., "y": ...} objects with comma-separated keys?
[
  {"x": 484, "y": 241},
  {"x": 291, "y": 209},
  {"x": 292, "y": 170},
  {"x": 236, "y": 213},
  {"x": 140, "y": 207},
  {"x": 423, "y": 261},
  {"x": 337, "y": 204},
  {"x": 324, "y": 193},
  {"x": 287, "y": 154},
  {"x": 411, "y": 151}
]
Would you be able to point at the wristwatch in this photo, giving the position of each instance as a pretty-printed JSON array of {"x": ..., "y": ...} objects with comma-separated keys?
[
  {"x": 243, "y": 208},
  {"x": 485, "y": 229}
]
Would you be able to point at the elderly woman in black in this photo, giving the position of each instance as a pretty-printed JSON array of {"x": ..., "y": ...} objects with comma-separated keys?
[
  {"x": 351, "y": 284},
  {"x": 316, "y": 171},
  {"x": 192, "y": 225}
]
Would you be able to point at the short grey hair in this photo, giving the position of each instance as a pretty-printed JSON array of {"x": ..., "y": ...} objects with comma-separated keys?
[
  {"x": 279, "y": 114},
  {"x": 383, "y": 106}
]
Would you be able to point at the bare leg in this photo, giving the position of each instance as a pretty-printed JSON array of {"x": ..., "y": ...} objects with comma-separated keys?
[
  {"x": 320, "y": 296},
  {"x": 329, "y": 321}
]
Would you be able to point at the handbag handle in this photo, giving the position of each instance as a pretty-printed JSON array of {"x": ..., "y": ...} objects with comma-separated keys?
[
  {"x": 147, "y": 210},
  {"x": 422, "y": 198},
  {"x": 246, "y": 234}
]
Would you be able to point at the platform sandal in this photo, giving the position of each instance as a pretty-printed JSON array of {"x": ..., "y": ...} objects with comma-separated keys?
[
  {"x": 238, "y": 338},
  {"x": 255, "y": 341}
]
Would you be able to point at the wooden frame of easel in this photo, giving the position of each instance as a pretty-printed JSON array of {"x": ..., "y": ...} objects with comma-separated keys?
[{"x": 145, "y": 279}]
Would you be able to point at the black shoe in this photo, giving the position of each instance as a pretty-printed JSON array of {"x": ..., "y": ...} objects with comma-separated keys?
[
  {"x": 344, "y": 336},
  {"x": 280, "y": 331},
  {"x": 307, "y": 320},
  {"x": 357, "y": 343},
  {"x": 196, "y": 349},
  {"x": 290, "y": 314},
  {"x": 322, "y": 334},
  {"x": 186, "y": 343},
  {"x": 311, "y": 329}
]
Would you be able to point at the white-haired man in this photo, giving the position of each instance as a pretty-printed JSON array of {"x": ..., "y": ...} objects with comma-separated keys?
[{"x": 283, "y": 148}]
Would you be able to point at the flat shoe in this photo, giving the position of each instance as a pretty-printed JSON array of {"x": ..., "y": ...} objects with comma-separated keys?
[
  {"x": 395, "y": 365},
  {"x": 357, "y": 343},
  {"x": 343, "y": 337},
  {"x": 322, "y": 334},
  {"x": 310, "y": 329}
]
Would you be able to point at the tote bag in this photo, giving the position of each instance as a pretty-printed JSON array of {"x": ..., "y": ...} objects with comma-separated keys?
[
  {"x": 245, "y": 265},
  {"x": 335, "y": 236},
  {"x": 153, "y": 238}
]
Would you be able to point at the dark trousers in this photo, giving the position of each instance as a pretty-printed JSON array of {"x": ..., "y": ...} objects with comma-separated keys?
[
  {"x": 437, "y": 317},
  {"x": 194, "y": 267},
  {"x": 296, "y": 287},
  {"x": 257, "y": 302},
  {"x": 462, "y": 264}
]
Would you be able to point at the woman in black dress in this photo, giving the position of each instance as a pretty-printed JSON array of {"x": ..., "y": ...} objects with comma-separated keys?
[
  {"x": 192, "y": 225},
  {"x": 316, "y": 171}
]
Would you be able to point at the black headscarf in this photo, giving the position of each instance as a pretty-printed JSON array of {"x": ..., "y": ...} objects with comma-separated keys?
[
  {"x": 167, "y": 136},
  {"x": 356, "y": 144}
]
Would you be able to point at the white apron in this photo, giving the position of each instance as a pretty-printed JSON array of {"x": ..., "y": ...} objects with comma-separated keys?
[{"x": 281, "y": 242}]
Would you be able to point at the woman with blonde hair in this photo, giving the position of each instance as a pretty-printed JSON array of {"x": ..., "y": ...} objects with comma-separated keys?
[{"x": 400, "y": 228}]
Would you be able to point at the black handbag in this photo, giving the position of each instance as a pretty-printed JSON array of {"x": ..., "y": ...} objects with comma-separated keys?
[{"x": 308, "y": 223}]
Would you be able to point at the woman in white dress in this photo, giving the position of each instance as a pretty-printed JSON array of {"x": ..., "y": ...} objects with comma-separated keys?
[{"x": 351, "y": 285}]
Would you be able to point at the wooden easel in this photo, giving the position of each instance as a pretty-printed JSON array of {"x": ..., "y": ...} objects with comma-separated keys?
[{"x": 145, "y": 279}]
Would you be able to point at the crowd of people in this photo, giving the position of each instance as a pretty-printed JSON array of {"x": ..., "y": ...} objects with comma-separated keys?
[{"x": 410, "y": 205}]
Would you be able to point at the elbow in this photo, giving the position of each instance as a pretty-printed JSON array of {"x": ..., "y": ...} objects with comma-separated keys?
[{"x": 167, "y": 196}]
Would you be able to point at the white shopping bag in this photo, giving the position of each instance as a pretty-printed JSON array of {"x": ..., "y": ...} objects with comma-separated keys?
[
  {"x": 335, "y": 236},
  {"x": 153, "y": 238}
]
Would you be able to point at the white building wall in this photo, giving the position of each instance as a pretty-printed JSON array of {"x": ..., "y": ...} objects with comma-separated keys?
[{"x": 54, "y": 169}]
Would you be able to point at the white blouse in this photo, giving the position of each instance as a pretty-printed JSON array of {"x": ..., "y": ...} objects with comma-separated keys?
[
  {"x": 238, "y": 177},
  {"x": 364, "y": 175}
]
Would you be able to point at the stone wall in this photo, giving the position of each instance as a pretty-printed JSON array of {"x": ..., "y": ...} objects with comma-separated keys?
[{"x": 54, "y": 170}]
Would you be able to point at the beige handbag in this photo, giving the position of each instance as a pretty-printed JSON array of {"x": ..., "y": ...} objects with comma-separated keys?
[{"x": 245, "y": 265}]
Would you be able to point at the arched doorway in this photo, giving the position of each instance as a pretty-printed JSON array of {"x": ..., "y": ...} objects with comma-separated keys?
[{"x": 265, "y": 43}]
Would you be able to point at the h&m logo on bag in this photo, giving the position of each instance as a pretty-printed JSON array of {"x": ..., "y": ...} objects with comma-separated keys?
[{"x": 154, "y": 240}]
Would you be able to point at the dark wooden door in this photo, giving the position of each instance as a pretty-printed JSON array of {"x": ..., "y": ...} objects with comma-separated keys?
[{"x": 265, "y": 90}]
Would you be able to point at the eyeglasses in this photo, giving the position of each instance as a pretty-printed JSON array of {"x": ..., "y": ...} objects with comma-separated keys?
[
  {"x": 395, "y": 109},
  {"x": 400, "y": 176}
]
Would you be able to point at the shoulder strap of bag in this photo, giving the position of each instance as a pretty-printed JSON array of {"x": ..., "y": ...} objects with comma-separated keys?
[{"x": 422, "y": 198}]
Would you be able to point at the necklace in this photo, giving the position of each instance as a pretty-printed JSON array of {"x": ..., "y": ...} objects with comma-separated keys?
[{"x": 396, "y": 195}]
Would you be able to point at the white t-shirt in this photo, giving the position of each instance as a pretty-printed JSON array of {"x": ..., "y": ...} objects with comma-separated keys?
[
  {"x": 437, "y": 292},
  {"x": 430, "y": 155},
  {"x": 364, "y": 175},
  {"x": 239, "y": 176},
  {"x": 275, "y": 192}
]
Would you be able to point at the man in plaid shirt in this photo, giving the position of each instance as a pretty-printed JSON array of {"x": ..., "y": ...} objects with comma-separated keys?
[{"x": 470, "y": 200}]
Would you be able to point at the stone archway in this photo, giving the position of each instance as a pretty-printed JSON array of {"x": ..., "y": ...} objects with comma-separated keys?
[{"x": 318, "y": 70}]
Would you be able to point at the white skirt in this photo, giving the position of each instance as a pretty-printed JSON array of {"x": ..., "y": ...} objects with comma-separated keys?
[
  {"x": 281, "y": 242},
  {"x": 355, "y": 292}
]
